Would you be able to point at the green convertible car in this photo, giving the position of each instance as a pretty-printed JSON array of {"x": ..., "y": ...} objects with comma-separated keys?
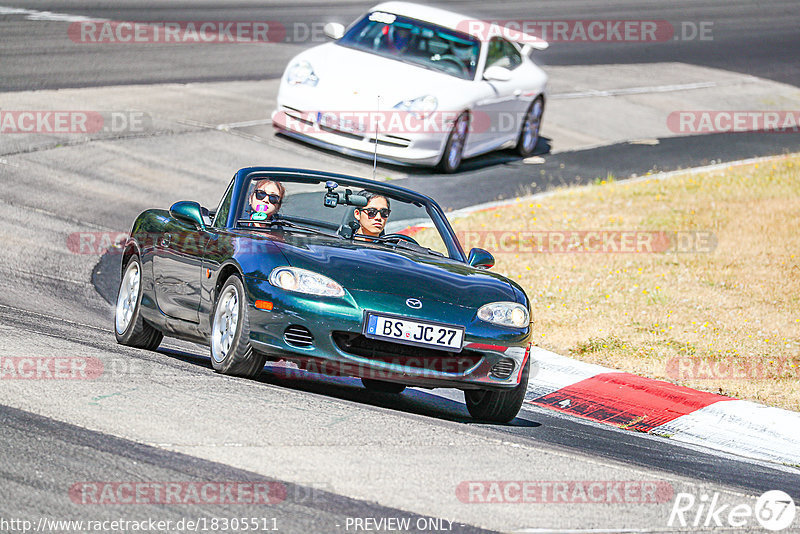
[{"x": 339, "y": 275}]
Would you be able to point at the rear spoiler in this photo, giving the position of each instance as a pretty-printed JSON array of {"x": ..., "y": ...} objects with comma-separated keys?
[{"x": 527, "y": 41}]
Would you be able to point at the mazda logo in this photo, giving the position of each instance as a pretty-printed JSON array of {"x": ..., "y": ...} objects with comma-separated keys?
[{"x": 414, "y": 303}]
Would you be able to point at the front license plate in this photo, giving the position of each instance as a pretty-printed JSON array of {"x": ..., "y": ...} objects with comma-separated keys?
[
  {"x": 331, "y": 120},
  {"x": 414, "y": 332}
]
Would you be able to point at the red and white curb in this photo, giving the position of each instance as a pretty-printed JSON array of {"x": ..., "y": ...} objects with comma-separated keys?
[{"x": 656, "y": 407}]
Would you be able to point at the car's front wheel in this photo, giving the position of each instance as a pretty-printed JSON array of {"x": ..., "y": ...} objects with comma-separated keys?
[
  {"x": 231, "y": 352},
  {"x": 379, "y": 386},
  {"x": 129, "y": 327},
  {"x": 498, "y": 406},
  {"x": 454, "y": 149},
  {"x": 529, "y": 131}
]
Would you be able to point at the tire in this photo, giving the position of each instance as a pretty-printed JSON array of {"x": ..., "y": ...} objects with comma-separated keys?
[
  {"x": 129, "y": 327},
  {"x": 379, "y": 386},
  {"x": 498, "y": 406},
  {"x": 530, "y": 128},
  {"x": 231, "y": 352},
  {"x": 454, "y": 149}
]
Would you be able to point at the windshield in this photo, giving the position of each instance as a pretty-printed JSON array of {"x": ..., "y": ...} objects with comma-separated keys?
[
  {"x": 301, "y": 205},
  {"x": 416, "y": 42}
]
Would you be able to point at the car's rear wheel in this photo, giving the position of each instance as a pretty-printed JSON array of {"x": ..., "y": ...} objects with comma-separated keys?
[
  {"x": 129, "y": 327},
  {"x": 454, "y": 149},
  {"x": 498, "y": 406},
  {"x": 529, "y": 130},
  {"x": 379, "y": 386},
  {"x": 231, "y": 352}
]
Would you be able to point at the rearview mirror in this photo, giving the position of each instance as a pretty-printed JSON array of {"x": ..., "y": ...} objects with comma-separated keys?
[
  {"x": 334, "y": 30},
  {"x": 189, "y": 212},
  {"x": 497, "y": 74},
  {"x": 480, "y": 258}
]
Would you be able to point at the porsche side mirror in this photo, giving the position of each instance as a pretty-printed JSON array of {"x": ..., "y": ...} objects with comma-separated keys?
[
  {"x": 189, "y": 212},
  {"x": 480, "y": 258},
  {"x": 334, "y": 30},
  {"x": 497, "y": 74}
]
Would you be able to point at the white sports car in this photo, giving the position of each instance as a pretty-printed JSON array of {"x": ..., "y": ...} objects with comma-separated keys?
[{"x": 418, "y": 85}]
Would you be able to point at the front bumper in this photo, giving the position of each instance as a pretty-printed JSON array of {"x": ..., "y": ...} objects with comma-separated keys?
[
  {"x": 398, "y": 147},
  {"x": 492, "y": 357}
]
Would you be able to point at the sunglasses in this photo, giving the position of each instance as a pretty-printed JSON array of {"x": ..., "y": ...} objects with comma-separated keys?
[
  {"x": 372, "y": 212},
  {"x": 273, "y": 199}
]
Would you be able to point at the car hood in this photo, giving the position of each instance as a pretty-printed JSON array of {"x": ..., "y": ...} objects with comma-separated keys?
[
  {"x": 377, "y": 268},
  {"x": 352, "y": 80}
]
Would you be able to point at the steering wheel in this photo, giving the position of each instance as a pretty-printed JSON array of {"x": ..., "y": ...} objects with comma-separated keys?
[
  {"x": 457, "y": 61},
  {"x": 402, "y": 237}
]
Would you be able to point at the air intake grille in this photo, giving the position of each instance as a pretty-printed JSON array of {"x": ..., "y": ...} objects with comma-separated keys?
[
  {"x": 503, "y": 368},
  {"x": 297, "y": 335}
]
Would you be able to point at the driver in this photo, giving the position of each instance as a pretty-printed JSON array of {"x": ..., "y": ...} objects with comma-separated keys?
[
  {"x": 372, "y": 217},
  {"x": 399, "y": 38},
  {"x": 265, "y": 200}
]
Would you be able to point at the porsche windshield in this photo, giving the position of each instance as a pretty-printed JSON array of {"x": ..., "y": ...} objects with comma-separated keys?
[
  {"x": 412, "y": 41},
  {"x": 275, "y": 203}
]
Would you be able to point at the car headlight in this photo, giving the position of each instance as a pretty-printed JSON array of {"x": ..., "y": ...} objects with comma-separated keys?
[
  {"x": 303, "y": 281},
  {"x": 420, "y": 107},
  {"x": 505, "y": 314},
  {"x": 302, "y": 73}
]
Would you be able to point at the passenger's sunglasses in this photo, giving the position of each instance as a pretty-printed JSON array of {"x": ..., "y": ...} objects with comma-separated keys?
[
  {"x": 372, "y": 212},
  {"x": 273, "y": 199}
]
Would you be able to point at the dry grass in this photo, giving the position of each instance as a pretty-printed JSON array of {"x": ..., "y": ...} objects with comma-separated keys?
[{"x": 726, "y": 320}]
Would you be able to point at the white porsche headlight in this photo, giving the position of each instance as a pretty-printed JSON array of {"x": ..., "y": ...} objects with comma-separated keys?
[
  {"x": 420, "y": 107},
  {"x": 505, "y": 314},
  {"x": 303, "y": 281},
  {"x": 302, "y": 73}
]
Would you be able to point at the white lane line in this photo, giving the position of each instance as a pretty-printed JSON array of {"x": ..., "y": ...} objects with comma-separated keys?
[
  {"x": 633, "y": 90},
  {"x": 243, "y": 124},
  {"x": 32, "y": 14}
]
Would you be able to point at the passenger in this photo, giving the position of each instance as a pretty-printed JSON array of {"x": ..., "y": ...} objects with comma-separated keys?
[
  {"x": 372, "y": 217},
  {"x": 265, "y": 200}
]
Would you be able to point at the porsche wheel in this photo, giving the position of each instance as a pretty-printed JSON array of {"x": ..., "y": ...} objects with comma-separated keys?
[
  {"x": 129, "y": 327},
  {"x": 379, "y": 386},
  {"x": 498, "y": 406},
  {"x": 231, "y": 352},
  {"x": 454, "y": 149},
  {"x": 529, "y": 131}
]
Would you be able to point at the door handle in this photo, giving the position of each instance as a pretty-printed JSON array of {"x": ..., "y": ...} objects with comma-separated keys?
[{"x": 165, "y": 240}]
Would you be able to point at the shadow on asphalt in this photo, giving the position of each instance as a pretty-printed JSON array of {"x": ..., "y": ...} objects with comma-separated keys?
[{"x": 350, "y": 389}]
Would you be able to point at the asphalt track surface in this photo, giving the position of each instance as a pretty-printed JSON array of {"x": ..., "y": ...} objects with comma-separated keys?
[{"x": 50, "y": 439}]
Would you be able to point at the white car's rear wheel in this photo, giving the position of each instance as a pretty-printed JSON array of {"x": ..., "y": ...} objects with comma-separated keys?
[{"x": 529, "y": 131}]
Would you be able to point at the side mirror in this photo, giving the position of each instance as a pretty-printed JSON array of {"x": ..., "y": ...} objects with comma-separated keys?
[
  {"x": 189, "y": 212},
  {"x": 497, "y": 74},
  {"x": 482, "y": 259},
  {"x": 334, "y": 30}
]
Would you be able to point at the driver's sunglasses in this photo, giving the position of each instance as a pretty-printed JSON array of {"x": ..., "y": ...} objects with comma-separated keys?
[
  {"x": 372, "y": 212},
  {"x": 273, "y": 199}
]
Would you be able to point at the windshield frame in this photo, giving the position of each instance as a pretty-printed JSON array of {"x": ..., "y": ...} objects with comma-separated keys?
[{"x": 434, "y": 211}]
